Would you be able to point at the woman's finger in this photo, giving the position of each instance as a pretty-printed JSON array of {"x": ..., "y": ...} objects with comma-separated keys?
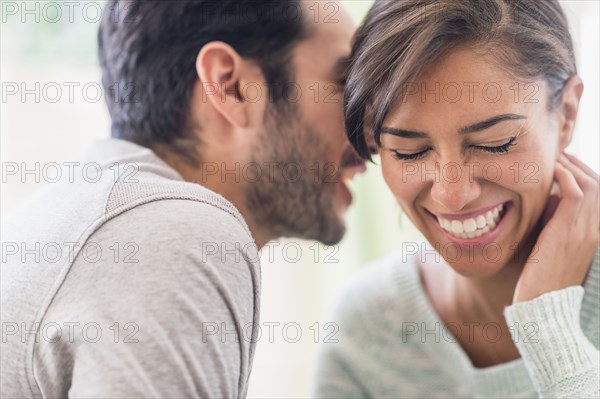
[
  {"x": 591, "y": 192},
  {"x": 586, "y": 169},
  {"x": 585, "y": 181},
  {"x": 570, "y": 206},
  {"x": 567, "y": 183}
]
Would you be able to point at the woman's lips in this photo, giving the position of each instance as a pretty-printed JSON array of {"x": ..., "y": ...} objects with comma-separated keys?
[{"x": 480, "y": 227}]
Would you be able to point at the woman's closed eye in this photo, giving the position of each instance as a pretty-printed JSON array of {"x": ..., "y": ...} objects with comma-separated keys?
[
  {"x": 409, "y": 157},
  {"x": 500, "y": 149},
  {"x": 497, "y": 149}
]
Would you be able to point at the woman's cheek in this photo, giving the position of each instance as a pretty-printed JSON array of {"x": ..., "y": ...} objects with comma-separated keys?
[
  {"x": 526, "y": 173},
  {"x": 403, "y": 179},
  {"x": 529, "y": 178}
]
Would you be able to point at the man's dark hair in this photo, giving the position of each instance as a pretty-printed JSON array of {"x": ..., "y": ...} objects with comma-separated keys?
[{"x": 148, "y": 51}]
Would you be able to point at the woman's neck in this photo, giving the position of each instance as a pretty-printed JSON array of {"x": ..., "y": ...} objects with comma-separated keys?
[
  {"x": 488, "y": 296},
  {"x": 474, "y": 303},
  {"x": 483, "y": 299}
]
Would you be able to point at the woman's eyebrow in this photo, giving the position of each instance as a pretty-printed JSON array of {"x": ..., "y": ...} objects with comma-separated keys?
[
  {"x": 486, "y": 124},
  {"x": 476, "y": 127},
  {"x": 408, "y": 134}
]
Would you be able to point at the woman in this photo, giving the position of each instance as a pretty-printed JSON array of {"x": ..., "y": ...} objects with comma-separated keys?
[{"x": 471, "y": 104}]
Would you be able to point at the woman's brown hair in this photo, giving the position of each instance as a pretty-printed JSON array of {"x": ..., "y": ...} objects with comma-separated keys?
[{"x": 400, "y": 38}]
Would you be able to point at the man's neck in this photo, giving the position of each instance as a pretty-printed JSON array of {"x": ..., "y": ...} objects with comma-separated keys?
[{"x": 232, "y": 191}]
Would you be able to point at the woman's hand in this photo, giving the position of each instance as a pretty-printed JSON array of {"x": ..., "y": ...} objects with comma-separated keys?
[{"x": 568, "y": 241}]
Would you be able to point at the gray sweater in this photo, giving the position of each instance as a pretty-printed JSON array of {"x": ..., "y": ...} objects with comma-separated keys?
[
  {"x": 123, "y": 280},
  {"x": 393, "y": 344}
]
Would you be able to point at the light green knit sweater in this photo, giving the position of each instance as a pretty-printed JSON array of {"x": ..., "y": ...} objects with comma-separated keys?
[{"x": 393, "y": 344}]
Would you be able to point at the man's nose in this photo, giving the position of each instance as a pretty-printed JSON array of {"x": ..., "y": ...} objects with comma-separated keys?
[
  {"x": 455, "y": 187},
  {"x": 353, "y": 164},
  {"x": 356, "y": 168}
]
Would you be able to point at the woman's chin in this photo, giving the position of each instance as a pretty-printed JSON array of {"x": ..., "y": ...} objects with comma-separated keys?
[
  {"x": 470, "y": 259},
  {"x": 478, "y": 267}
]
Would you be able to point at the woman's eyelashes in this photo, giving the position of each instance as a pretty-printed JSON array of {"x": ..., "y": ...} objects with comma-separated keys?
[
  {"x": 409, "y": 157},
  {"x": 497, "y": 149},
  {"x": 500, "y": 149}
]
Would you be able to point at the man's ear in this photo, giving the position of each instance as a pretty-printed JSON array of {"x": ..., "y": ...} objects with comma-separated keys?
[
  {"x": 569, "y": 108},
  {"x": 219, "y": 66}
]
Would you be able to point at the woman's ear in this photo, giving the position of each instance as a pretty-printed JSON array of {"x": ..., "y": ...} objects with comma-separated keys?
[
  {"x": 569, "y": 108},
  {"x": 219, "y": 68}
]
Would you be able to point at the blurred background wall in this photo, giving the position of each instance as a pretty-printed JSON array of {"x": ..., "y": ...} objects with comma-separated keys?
[{"x": 52, "y": 109}]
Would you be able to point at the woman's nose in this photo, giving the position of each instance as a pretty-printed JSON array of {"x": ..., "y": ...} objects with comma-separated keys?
[{"x": 455, "y": 186}]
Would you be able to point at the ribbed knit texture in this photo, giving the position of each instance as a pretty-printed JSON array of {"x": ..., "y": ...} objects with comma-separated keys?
[
  {"x": 561, "y": 361},
  {"x": 190, "y": 288},
  {"x": 392, "y": 343}
]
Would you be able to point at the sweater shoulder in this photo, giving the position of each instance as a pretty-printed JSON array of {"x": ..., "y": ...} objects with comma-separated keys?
[
  {"x": 590, "y": 306},
  {"x": 149, "y": 184}
]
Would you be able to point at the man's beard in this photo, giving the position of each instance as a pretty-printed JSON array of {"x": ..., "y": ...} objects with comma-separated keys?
[{"x": 294, "y": 196}]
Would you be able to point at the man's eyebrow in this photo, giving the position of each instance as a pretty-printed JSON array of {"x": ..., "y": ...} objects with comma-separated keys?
[
  {"x": 486, "y": 124},
  {"x": 477, "y": 127}
]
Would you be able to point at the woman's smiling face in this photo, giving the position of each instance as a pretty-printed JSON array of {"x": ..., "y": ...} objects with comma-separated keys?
[{"x": 470, "y": 155}]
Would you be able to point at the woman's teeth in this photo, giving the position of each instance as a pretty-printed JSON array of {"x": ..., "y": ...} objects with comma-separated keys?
[{"x": 473, "y": 227}]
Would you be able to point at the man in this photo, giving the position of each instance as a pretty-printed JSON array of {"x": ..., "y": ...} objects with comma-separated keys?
[{"x": 143, "y": 280}]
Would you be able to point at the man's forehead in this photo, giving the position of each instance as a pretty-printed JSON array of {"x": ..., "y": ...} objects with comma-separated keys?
[
  {"x": 342, "y": 64},
  {"x": 329, "y": 18},
  {"x": 331, "y": 32}
]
